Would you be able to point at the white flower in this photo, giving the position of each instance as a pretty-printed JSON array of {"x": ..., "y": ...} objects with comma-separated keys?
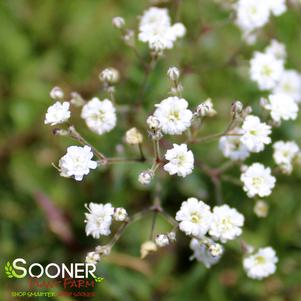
[
  {"x": 100, "y": 116},
  {"x": 232, "y": 147},
  {"x": 290, "y": 85},
  {"x": 92, "y": 257},
  {"x": 255, "y": 134},
  {"x": 265, "y": 70},
  {"x": 162, "y": 240},
  {"x": 77, "y": 162},
  {"x": 57, "y": 113},
  {"x": 173, "y": 73},
  {"x": 173, "y": 115},
  {"x": 145, "y": 177},
  {"x": 118, "y": 22},
  {"x": 258, "y": 180},
  {"x": 276, "y": 49},
  {"x": 99, "y": 219},
  {"x": 281, "y": 107},
  {"x": 120, "y": 214},
  {"x": 109, "y": 75},
  {"x": 208, "y": 256},
  {"x": 56, "y": 93},
  {"x": 206, "y": 109},
  {"x": 226, "y": 223},
  {"x": 261, "y": 209},
  {"x": 194, "y": 218},
  {"x": 285, "y": 153},
  {"x": 133, "y": 136},
  {"x": 277, "y": 7},
  {"x": 180, "y": 159},
  {"x": 261, "y": 264},
  {"x": 153, "y": 122},
  {"x": 155, "y": 28}
]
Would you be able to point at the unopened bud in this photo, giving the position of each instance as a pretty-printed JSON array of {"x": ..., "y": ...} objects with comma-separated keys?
[
  {"x": 162, "y": 240},
  {"x": 172, "y": 236},
  {"x": 133, "y": 136},
  {"x": 173, "y": 73},
  {"x": 147, "y": 247},
  {"x": 109, "y": 75},
  {"x": 145, "y": 177},
  {"x": 120, "y": 214},
  {"x": 206, "y": 109},
  {"x": 237, "y": 107},
  {"x": 118, "y": 22},
  {"x": 261, "y": 208},
  {"x": 103, "y": 250},
  {"x": 153, "y": 122},
  {"x": 56, "y": 93},
  {"x": 76, "y": 99},
  {"x": 92, "y": 257}
]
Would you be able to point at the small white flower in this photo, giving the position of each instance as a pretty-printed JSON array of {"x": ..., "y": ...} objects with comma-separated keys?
[
  {"x": 109, "y": 75},
  {"x": 153, "y": 123},
  {"x": 202, "y": 253},
  {"x": 266, "y": 70},
  {"x": 281, "y": 107},
  {"x": 194, "y": 218},
  {"x": 99, "y": 219},
  {"x": 215, "y": 249},
  {"x": 258, "y": 180},
  {"x": 206, "y": 109},
  {"x": 181, "y": 161},
  {"x": 276, "y": 49},
  {"x": 173, "y": 115},
  {"x": 290, "y": 85},
  {"x": 77, "y": 162},
  {"x": 277, "y": 7},
  {"x": 262, "y": 264},
  {"x": 232, "y": 147},
  {"x": 118, "y": 22},
  {"x": 285, "y": 153},
  {"x": 57, "y": 93},
  {"x": 57, "y": 113},
  {"x": 162, "y": 240},
  {"x": 133, "y": 136},
  {"x": 226, "y": 224},
  {"x": 255, "y": 134},
  {"x": 261, "y": 208},
  {"x": 145, "y": 177},
  {"x": 100, "y": 116},
  {"x": 92, "y": 257},
  {"x": 120, "y": 214}
]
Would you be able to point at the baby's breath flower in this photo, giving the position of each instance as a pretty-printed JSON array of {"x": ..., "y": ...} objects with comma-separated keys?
[
  {"x": 206, "y": 109},
  {"x": 76, "y": 99},
  {"x": 145, "y": 177},
  {"x": 57, "y": 93},
  {"x": 261, "y": 208},
  {"x": 92, "y": 257},
  {"x": 153, "y": 122},
  {"x": 57, "y": 113},
  {"x": 109, "y": 75},
  {"x": 118, "y": 22},
  {"x": 120, "y": 214},
  {"x": 162, "y": 240},
  {"x": 172, "y": 236},
  {"x": 133, "y": 136},
  {"x": 147, "y": 247},
  {"x": 173, "y": 73}
]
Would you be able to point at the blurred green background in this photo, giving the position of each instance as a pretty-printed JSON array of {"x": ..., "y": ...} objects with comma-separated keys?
[{"x": 66, "y": 43}]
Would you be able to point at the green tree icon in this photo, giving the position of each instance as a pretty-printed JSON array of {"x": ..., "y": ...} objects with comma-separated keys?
[{"x": 10, "y": 272}]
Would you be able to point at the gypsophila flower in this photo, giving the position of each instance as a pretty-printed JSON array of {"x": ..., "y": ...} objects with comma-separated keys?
[
  {"x": 57, "y": 113},
  {"x": 100, "y": 116},
  {"x": 173, "y": 73},
  {"x": 56, "y": 93},
  {"x": 109, "y": 75},
  {"x": 153, "y": 122},
  {"x": 215, "y": 249},
  {"x": 118, "y": 22},
  {"x": 226, "y": 223},
  {"x": 133, "y": 136},
  {"x": 162, "y": 240},
  {"x": 145, "y": 177},
  {"x": 92, "y": 257},
  {"x": 290, "y": 85},
  {"x": 206, "y": 109},
  {"x": 202, "y": 254},
  {"x": 261, "y": 209},
  {"x": 147, "y": 247},
  {"x": 261, "y": 264},
  {"x": 173, "y": 115},
  {"x": 285, "y": 153},
  {"x": 120, "y": 214},
  {"x": 266, "y": 70},
  {"x": 99, "y": 219},
  {"x": 172, "y": 236},
  {"x": 276, "y": 49},
  {"x": 255, "y": 134},
  {"x": 77, "y": 162},
  {"x": 258, "y": 180},
  {"x": 181, "y": 161},
  {"x": 194, "y": 218},
  {"x": 281, "y": 107},
  {"x": 232, "y": 147},
  {"x": 277, "y": 7}
]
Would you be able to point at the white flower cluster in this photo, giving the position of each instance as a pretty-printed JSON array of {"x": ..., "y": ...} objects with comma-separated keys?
[
  {"x": 261, "y": 264},
  {"x": 155, "y": 28},
  {"x": 196, "y": 220},
  {"x": 99, "y": 218},
  {"x": 253, "y": 14}
]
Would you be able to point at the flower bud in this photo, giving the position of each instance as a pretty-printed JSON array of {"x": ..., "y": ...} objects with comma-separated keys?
[
  {"x": 145, "y": 177},
  {"x": 173, "y": 73},
  {"x": 133, "y": 136},
  {"x": 56, "y": 93},
  {"x": 103, "y": 250},
  {"x": 215, "y": 249},
  {"x": 147, "y": 247},
  {"x": 92, "y": 257},
  {"x": 118, "y": 22},
  {"x": 261, "y": 208},
  {"x": 237, "y": 107},
  {"x": 206, "y": 109},
  {"x": 162, "y": 240},
  {"x": 153, "y": 122},
  {"x": 129, "y": 38},
  {"x": 76, "y": 99},
  {"x": 109, "y": 75},
  {"x": 120, "y": 214},
  {"x": 172, "y": 236}
]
